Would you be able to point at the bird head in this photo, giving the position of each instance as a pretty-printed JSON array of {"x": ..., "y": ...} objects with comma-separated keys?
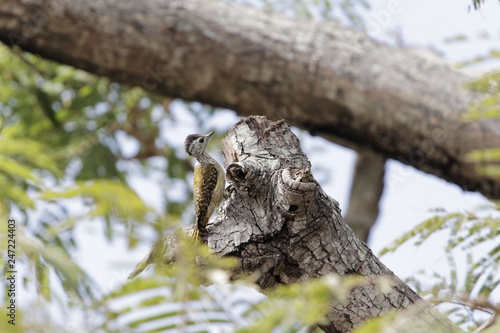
[{"x": 195, "y": 144}]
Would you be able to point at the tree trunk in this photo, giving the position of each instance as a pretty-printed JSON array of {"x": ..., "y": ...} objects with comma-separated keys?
[
  {"x": 324, "y": 78},
  {"x": 280, "y": 223}
]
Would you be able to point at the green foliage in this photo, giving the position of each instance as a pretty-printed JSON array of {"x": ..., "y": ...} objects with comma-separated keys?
[
  {"x": 110, "y": 200},
  {"x": 463, "y": 290},
  {"x": 42, "y": 257},
  {"x": 59, "y": 148},
  {"x": 491, "y": 56},
  {"x": 25, "y": 165},
  {"x": 155, "y": 309},
  {"x": 380, "y": 324},
  {"x": 494, "y": 328},
  {"x": 174, "y": 296},
  {"x": 22, "y": 165},
  {"x": 20, "y": 327},
  {"x": 489, "y": 105},
  {"x": 290, "y": 308},
  {"x": 486, "y": 161},
  {"x": 468, "y": 293}
]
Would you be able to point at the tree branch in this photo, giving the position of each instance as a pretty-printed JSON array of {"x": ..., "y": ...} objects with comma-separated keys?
[
  {"x": 366, "y": 190},
  {"x": 332, "y": 81}
]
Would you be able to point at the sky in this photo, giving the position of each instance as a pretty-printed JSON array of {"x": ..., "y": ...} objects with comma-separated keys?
[{"x": 409, "y": 194}]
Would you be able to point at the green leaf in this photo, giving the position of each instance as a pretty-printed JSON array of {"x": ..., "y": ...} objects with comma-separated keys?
[
  {"x": 74, "y": 279},
  {"x": 422, "y": 231},
  {"x": 15, "y": 169},
  {"x": 27, "y": 150},
  {"x": 110, "y": 198}
]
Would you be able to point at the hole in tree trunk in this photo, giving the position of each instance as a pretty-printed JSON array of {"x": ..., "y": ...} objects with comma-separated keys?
[{"x": 240, "y": 174}]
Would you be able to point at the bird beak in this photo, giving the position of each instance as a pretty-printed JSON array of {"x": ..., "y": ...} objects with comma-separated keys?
[{"x": 209, "y": 134}]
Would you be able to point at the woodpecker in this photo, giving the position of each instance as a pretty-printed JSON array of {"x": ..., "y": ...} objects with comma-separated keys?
[{"x": 209, "y": 181}]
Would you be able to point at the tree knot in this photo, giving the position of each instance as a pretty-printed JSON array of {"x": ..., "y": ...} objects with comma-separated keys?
[{"x": 245, "y": 176}]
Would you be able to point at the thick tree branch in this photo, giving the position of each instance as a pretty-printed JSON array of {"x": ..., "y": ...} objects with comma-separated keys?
[{"x": 330, "y": 80}]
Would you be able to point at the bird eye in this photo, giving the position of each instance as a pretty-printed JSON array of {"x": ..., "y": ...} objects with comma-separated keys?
[{"x": 202, "y": 140}]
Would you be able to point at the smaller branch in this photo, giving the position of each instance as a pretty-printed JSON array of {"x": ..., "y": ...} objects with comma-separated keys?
[
  {"x": 366, "y": 190},
  {"x": 19, "y": 52},
  {"x": 479, "y": 305},
  {"x": 487, "y": 323},
  {"x": 163, "y": 252}
]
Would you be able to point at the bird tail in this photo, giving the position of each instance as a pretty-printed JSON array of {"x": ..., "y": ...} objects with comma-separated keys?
[{"x": 196, "y": 235}]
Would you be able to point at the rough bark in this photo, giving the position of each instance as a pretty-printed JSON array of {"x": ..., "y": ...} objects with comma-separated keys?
[
  {"x": 280, "y": 223},
  {"x": 284, "y": 228},
  {"x": 366, "y": 190},
  {"x": 332, "y": 81}
]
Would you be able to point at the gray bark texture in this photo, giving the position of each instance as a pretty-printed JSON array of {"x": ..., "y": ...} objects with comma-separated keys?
[
  {"x": 329, "y": 80},
  {"x": 366, "y": 191},
  {"x": 285, "y": 229}
]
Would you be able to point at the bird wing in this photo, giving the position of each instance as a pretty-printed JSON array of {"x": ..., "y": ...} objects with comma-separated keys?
[{"x": 205, "y": 181}]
